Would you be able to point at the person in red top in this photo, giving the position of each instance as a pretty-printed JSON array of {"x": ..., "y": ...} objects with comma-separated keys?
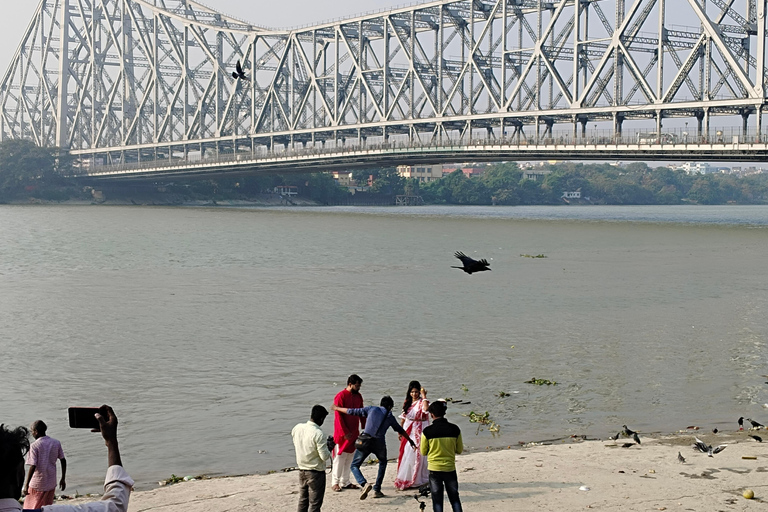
[{"x": 346, "y": 428}]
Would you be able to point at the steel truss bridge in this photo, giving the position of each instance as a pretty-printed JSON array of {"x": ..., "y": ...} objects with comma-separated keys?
[{"x": 141, "y": 88}]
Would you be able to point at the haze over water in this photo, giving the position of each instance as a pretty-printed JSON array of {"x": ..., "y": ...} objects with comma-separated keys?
[{"x": 213, "y": 331}]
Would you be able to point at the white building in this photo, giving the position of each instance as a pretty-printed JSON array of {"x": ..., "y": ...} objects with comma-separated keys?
[
  {"x": 423, "y": 173},
  {"x": 697, "y": 168}
]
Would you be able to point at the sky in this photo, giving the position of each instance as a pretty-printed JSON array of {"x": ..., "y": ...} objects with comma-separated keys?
[{"x": 280, "y": 14}]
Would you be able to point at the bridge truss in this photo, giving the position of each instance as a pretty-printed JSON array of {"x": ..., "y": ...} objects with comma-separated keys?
[{"x": 121, "y": 81}]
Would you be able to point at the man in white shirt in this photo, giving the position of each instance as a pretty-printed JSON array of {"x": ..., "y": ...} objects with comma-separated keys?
[
  {"x": 311, "y": 453},
  {"x": 14, "y": 444}
]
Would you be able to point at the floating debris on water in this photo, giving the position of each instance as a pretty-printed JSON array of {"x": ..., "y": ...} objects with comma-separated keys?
[{"x": 541, "y": 382}]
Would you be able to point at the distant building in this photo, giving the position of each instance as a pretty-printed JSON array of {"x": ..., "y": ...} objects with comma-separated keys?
[
  {"x": 536, "y": 174},
  {"x": 423, "y": 173},
  {"x": 696, "y": 168},
  {"x": 344, "y": 179}
]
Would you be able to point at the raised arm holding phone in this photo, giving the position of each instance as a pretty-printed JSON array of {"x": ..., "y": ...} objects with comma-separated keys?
[{"x": 14, "y": 445}]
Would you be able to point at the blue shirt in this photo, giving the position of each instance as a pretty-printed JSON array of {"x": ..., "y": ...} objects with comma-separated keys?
[{"x": 378, "y": 421}]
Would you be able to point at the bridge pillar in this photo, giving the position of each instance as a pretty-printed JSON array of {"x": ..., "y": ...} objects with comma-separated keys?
[
  {"x": 659, "y": 124},
  {"x": 584, "y": 128},
  {"x": 706, "y": 122},
  {"x": 536, "y": 135},
  {"x": 617, "y": 125},
  {"x": 759, "y": 124},
  {"x": 744, "y": 122}
]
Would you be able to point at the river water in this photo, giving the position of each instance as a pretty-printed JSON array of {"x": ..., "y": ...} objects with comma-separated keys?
[{"x": 213, "y": 331}]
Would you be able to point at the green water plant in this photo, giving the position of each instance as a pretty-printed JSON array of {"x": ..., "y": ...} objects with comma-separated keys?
[{"x": 541, "y": 382}]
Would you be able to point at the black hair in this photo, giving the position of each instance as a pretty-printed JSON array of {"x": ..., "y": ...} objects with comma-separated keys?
[
  {"x": 354, "y": 379},
  {"x": 40, "y": 427},
  {"x": 438, "y": 408},
  {"x": 318, "y": 413},
  {"x": 414, "y": 384},
  {"x": 387, "y": 402},
  {"x": 14, "y": 445}
]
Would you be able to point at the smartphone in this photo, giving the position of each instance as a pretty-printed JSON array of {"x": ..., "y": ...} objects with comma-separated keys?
[{"x": 84, "y": 417}]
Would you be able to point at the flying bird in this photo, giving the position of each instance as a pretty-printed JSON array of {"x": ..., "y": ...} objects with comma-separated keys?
[
  {"x": 471, "y": 265},
  {"x": 680, "y": 458},
  {"x": 628, "y": 432},
  {"x": 757, "y": 438},
  {"x": 707, "y": 448},
  {"x": 741, "y": 423},
  {"x": 754, "y": 423},
  {"x": 238, "y": 73},
  {"x": 636, "y": 437}
]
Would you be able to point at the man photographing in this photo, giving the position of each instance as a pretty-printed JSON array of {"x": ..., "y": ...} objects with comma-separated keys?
[{"x": 14, "y": 445}]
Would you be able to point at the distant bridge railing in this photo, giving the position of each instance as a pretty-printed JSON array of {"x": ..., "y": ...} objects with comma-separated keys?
[{"x": 728, "y": 144}]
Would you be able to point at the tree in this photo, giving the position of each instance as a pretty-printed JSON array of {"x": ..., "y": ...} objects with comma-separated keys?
[{"x": 24, "y": 166}]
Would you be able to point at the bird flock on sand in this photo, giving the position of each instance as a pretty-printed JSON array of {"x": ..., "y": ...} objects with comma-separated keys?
[{"x": 698, "y": 445}]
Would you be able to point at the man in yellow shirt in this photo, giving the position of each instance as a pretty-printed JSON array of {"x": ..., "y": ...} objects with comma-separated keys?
[
  {"x": 440, "y": 442},
  {"x": 311, "y": 453}
]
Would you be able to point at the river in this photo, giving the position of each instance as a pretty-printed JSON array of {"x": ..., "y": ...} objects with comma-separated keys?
[{"x": 213, "y": 331}]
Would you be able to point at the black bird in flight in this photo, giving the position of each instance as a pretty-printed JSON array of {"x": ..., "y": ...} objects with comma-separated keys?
[
  {"x": 707, "y": 448},
  {"x": 239, "y": 73},
  {"x": 471, "y": 265},
  {"x": 628, "y": 432},
  {"x": 636, "y": 437},
  {"x": 741, "y": 423},
  {"x": 754, "y": 423},
  {"x": 757, "y": 438}
]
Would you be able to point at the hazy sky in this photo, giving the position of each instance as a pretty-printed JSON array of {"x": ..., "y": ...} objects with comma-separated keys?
[{"x": 278, "y": 14}]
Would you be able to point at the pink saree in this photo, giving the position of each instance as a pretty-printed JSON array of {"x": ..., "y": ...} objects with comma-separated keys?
[{"x": 411, "y": 465}]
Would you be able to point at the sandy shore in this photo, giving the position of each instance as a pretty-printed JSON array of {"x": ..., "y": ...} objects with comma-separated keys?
[{"x": 538, "y": 478}]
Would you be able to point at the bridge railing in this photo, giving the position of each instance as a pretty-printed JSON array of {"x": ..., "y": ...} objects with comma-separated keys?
[{"x": 724, "y": 138}]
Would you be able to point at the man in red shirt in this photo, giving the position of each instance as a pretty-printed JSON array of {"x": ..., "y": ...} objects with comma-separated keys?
[{"x": 346, "y": 428}]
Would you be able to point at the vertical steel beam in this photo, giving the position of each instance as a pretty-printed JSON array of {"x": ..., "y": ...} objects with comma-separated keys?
[{"x": 62, "y": 123}]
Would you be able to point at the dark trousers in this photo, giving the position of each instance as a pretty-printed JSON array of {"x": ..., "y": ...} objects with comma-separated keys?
[
  {"x": 311, "y": 490},
  {"x": 448, "y": 480},
  {"x": 378, "y": 447}
]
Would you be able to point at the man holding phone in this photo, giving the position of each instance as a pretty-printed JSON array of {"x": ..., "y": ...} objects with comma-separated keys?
[
  {"x": 40, "y": 485},
  {"x": 14, "y": 444}
]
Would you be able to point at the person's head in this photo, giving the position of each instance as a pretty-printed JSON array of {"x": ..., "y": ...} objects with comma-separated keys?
[
  {"x": 413, "y": 393},
  {"x": 38, "y": 428},
  {"x": 387, "y": 402},
  {"x": 14, "y": 445},
  {"x": 437, "y": 409},
  {"x": 354, "y": 382},
  {"x": 318, "y": 414}
]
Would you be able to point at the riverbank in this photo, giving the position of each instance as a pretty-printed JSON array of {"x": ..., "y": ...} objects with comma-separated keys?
[{"x": 568, "y": 475}]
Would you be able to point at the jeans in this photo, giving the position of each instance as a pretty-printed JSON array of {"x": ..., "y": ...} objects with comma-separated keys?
[
  {"x": 378, "y": 447},
  {"x": 447, "y": 479},
  {"x": 311, "y": 490}
]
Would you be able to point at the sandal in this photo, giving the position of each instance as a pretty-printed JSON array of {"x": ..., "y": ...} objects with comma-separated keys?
[
  {"x": 336, "y": 488},
  {"x": 350, "y": 486}
]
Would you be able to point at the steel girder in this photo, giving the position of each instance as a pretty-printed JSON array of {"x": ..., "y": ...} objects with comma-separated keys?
[{"x": 144, "y": 79}]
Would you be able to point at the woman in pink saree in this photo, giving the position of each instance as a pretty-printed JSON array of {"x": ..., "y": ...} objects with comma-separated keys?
[{"x": 411, "y": 465}]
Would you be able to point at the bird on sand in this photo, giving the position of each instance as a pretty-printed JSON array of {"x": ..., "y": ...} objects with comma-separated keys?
[
  {"x": 741, "y": 423},
  {"x": 238, "y": 73},
  {"x": 471, "y": 265},
  {"x": 636, "y": 437},
  {"x": 628, "y": 432},
  {"x": 680, "y": 458},
  {"x": 754, "y": 423},
  {"x": 614, "y": 438},
  {"x": 707, "y": 448},
  {"x": 757, "y": 438}
]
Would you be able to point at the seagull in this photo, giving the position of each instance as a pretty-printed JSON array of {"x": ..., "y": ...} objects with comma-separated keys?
[
  {"x": 754, "y": 423},
  {"x": 627, "y": 432},
  {"x": 636, "y": 437},
  {"x": 471, "y": 265},
  {"x": 705, "y": 448},
  {"x": 680, "y": 458},
  {"x": 741, "y": 423},
  {"x": 239, "y": 73},
  {"x": 757, "y": 438}
]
